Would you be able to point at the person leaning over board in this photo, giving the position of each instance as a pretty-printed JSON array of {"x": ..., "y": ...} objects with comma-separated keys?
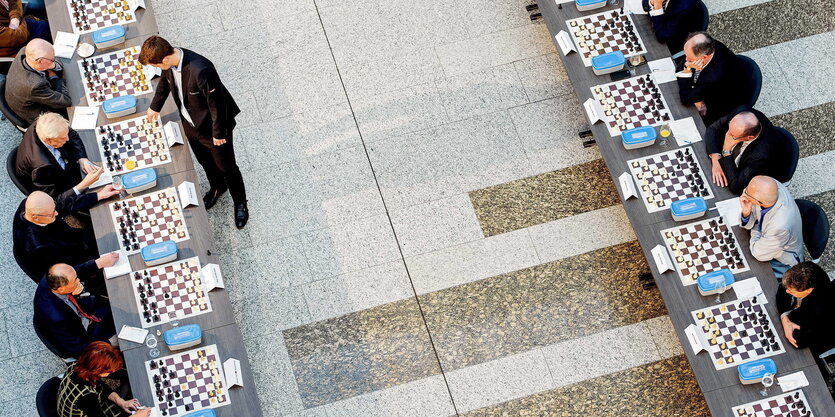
[
  {"x": 208, "y": 112},
  {"x": 806, "y": 302}
]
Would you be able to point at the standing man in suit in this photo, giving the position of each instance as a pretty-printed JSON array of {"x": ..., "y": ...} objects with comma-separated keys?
[
  {"x": 770, "y": 213},
  {"x": 72, "y": 321},
  {"x": 806, "y": 302},
  {"x": 744, "y": 144},
  {"x": 208, "y": 112},
  {"x": 710, "y": 77},
  {"x": 673, "y": 20},
  {"x": 34, "y": 84},
  {"x": 51, "y": 157}
]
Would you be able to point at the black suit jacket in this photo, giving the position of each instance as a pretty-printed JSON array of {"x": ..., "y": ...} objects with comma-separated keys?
[
  {"x": 769, "y": 154},
  {"x": 815, "y": 316},
  {"x": 680, "y": 18},
  {"x": 38, "y": 169},
  {"x": 720, "y": 85},
  {"x": 211, "y": 107},
  {"x": 40, "y": 247},
  {"x": 61, "y": 325}
]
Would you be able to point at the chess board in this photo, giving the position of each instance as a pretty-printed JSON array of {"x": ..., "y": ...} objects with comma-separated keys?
[
  {"x": 132, "y": 144},
  {"x": 630, "y": 103},
  {"x": 91, "y": 15},
  {"x": 702, "y": 247},
  {"x": 148, "y": 219},
  {"x": 187, "y": 381},
  {"x": 667, "y": 177},
  {"x": 790, "y": 404},
  {"x": 170, "y": 292},
  {"x": 605, "y": 32},
  {"x": 738, "y": 332},
  {"x": 115, "y": 74}
]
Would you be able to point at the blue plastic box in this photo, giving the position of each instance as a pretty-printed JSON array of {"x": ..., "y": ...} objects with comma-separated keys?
[
  {"x": 583, "y": 5},
  {"x": 139, "y": 180},
  {"x": 159, "y": 253},
  {"x": 753, "y": 372},
  {"x": 688, "y": 209},
  {"x": 107, "y": 37},
  {"x": 183, "y": 337},
  {"x": 715, "y": 282},
  {"x": 202, "y": 413},
  {"x": 119, "y": 106},
  {"x": 638, "y": 137},
  {"x": 608, "y": 63}
]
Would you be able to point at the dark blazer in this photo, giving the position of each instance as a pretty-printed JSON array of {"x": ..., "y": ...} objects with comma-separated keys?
[
  {"x": 815, "y": 316},
  {"x": 41, "y": 247},
  {"x": 30, "y": 93},
  {"x": 680, "y": 18},
  {"x": 720, "y": 85},
  {"x": 38, "y": 169},
  {"x": 211, "y": 107},
  {"x": 766, "y": 155},
  {"x": 62, "y": 326}
]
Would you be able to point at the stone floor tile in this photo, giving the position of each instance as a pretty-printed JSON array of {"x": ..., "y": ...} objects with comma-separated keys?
[
  {"x": 273, "y": 376},
  {"x": 601, "y": 228},
  {"x": 260, "y": 269},
  {"x": 24, "y": 406},
  {"x": 426, "y": 397},
  {"x": 494, "y": 49},
  {"x": 23, "y": 376},
  {"x": 408, "y": 69},
  {"x": 202, "y": 21},
  {"x": 282, "y": 308},
  {"x": 18, "y": 323},
  {"x": 543, "y": 77},
  {"x": 435, "y": 225},
  {"x": 814, "y": 175},
  {"x": 664, "y": 336},
  {"x": 482, "y": 92},
  {"x": 399, "y": 112}
]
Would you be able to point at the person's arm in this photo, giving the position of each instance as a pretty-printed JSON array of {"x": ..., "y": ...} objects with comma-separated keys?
[
  {"x": 75, "y": 203},
  {"x": 90, "y": 406},
  {"x": 767, "y": 247},
  {"x": 715, "y": 134},
  {"x": 691, "y": 93},
  {"x": 783, "y": 300},
  {"x": 45, "y": 178},
  {"x": 70, "y": 339},
  {"x": 739, "y": 177},
  {"x": 210, "y": 86},
  {"x": 163, "y": 88},
  {"x": 15, "y": 10},
  {"x": 645, "y": 4},
  {"x": 87, "y": 268},
  {"x": 76, "y": 146},
  {"x": 53, "y": 94}
]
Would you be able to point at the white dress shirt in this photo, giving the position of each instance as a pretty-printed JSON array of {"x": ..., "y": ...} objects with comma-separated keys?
[{"x": 178, "y": 80}]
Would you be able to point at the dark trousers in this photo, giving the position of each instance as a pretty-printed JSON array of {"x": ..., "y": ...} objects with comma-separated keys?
[{"x": 218, "y": 161}]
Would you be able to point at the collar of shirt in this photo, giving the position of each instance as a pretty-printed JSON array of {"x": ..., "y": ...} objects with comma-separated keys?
[
  {"x": 764, "y": 211},
  {"x": 179, "y": 66},
  {"x": 29, "y": 67}
]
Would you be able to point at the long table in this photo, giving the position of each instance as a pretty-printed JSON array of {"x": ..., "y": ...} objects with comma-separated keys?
[
  {"x": 721, "y": 388},
  {"x": 219, "y": 326}
]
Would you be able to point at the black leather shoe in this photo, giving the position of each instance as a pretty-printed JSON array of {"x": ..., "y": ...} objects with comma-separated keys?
[
  {"x": 241, "y": 215},
  {"x": 210, "y": 199}
]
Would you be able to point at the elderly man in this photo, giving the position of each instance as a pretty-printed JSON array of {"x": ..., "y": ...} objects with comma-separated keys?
[
  {"x": 34, "y": 83},
  {"x": 806, "y": 302},
  {"x": 69, "y": 320},
  {"x": 51, "y": 158},
  {"x": 744, "y": 144},
  {"x": 15, "y": 30},
  {"x": 710, "y": 77},
  {"x": 770, "y": 213},
  {"x": 44, "y": 235},
  {"x": 673, "y": 20}
]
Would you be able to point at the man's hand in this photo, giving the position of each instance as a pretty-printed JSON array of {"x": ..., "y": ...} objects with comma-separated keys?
[
  {"x": 218, "y": 142},
  {"x": 788, "y": 328},
  {"x": 718, "y": 175},
  {"x": 129, "y": 405},
  {"x": 152, "y": 115},
  {"x": 91, "y": 177},
  {"x": 746, "y": 205},
  {"x": 51, "y": 73},
  {"x": 106, "y": 192},
  {"x": 107, "y": 260},
  {"x": 701, "y": 107},
  {"x": 145, "y": 412},
  {"x": 86, "y": 165},
  {"x": 14, "y": 23},
  {"x": 730, "y": 142},
  {"x": 656, "y": 4}
]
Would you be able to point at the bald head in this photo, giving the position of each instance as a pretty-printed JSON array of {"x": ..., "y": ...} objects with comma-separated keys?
[
  {"x": 62, "y": 278},
  {"x": 699, "y": 44},
  {"x": 40, "y": 208},
  {"x": 40, "y": 54},
  {"x": 763, "y": 188},
  {"x": 745, "y": 126}
]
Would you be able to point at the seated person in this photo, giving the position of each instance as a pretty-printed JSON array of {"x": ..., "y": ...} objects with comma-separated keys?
[
  {"x": 15, "y": 30},
  {"x": 34, "y": 84},
  {"x": 770, "y": 213},
  {"x": 806, "y": 302},
  {"x": 710, "y": 77},
  {"x": 44, "y": 235},
  {"x": 673, "y": 20},
  {"x": 83, "y": 393},
  {"x": 49, "y": 157},
  {"x": 70, "y": 321},
  {"x": 744, "y": 144}
]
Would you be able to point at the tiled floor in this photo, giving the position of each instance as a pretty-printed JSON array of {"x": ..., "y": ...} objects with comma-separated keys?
[{"x": 428, "y": 236}]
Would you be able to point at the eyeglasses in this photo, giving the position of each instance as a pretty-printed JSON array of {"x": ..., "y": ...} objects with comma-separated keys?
[
  {"x": 745, "y": 191},
  {"x": 48, "y": 216},
  {"x": 45, "y": 58}
]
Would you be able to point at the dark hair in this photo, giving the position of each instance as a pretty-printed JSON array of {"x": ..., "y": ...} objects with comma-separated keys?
[
  {"x": 154, "y": 49},
  {"x": 98, "y": 358},
  {"x": 755, "y": 128},
  {"x": 55, "y": 278},
  {"x": 704, "y": 46},
  {"x": 804, "y": 275}
]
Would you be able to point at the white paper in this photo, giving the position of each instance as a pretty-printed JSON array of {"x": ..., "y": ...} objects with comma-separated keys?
[
  {"x": 793, "y": 381},
  {"x": 65, "y": 44},
  {"x": 212, "y": 278},
  {"x": 85, "y": 117},
  {"x": 591, "y": 111},
  {"x": 122, "y": 266},
  {"x": 730, "y": 210},
  {"x": 633, "y": 6},
  {"x": 627, "y": 186},
  {"x": 664, "y": 70},
  {"x": 188, "y": 194},
  {"x": 232, "y": 371},
  {"x": 661, "y": 258},
  {"x": 565, "y": 43},
  {"x": 748, "y": 288},
  {"x": 173, "y": 135},
  {"x": 685, "y": 131},
  {"x": 133, "y": 334},
  {"x": 104, "y": 179},
  {"x": 694, "y": 338},
  {"x": 136, "y": 4}
]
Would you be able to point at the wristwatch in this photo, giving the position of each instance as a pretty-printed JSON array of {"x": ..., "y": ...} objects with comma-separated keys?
[{"x": 727, "y": 152}]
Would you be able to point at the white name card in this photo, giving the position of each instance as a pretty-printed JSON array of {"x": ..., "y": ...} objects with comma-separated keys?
[
  {"x": 212, "y": 277},
  {"x": 627, "y": 186},
  {"x": 662, "y": 259},
  {"x": 188, "y": 194},
  {"x": 793, "y": 381},
  {"x": 591, "y": 111},
  {"x": 232, "y": 369},
  {"x": 564, "y": 41},
  {"x": 694, "y": 336},
  {"x": 136, "y": 4},
  {"x": 173, "y": 134}
]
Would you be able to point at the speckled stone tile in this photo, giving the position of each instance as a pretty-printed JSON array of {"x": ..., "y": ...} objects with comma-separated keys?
[
  {"x": 775, "y": 22},
  {"x": 539, "y": 306},
  {"x": 542, "y": 198},
  {"x": 813, "y": 127},
  {"x": 360, "y": 352},
  {"x": 665, "y": 388},
  {"x": 827, "y": 201}
]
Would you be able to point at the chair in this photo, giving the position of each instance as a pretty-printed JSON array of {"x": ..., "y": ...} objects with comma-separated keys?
[
  {"x": 11, "y": 162},
  {"x": 794, "y": 155},
  {"x": 47, "y": 398},
  {"x": 48, "y": 343},
  {"x": 5, "y": 64},
  {"x": 23, "y": 267},
  {"x": 827, "y": 360},
  {"x": 753, "y": 79},
  {"x": 702, "y": 28},
  {"x": 19, "y": 123},
  {"x": 815, "y": 228}
]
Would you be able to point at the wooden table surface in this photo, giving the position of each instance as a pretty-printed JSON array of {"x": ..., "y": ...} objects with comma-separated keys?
[{"x": 721, "y": 388}]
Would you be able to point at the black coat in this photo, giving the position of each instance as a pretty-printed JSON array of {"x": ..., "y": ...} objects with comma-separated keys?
[
  {"x": 721, "y": 85},
  {"x": 38, "y": 169},
  {"x": 211, "y": 107},
  {"x": 815, "y": 316},
  {"x": 769, "y": 154},
  {"x": 680, "y": 18}
]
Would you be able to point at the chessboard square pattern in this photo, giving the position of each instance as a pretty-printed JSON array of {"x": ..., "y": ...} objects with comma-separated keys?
[
  {"x": 197, "y": 395},
  {"x": 99, "y": 14},
  {"x": 143, "y": 143},
  {"x": 627, "y": 101},
  {"x": 783, "y": 405},
  {"x": 187, "y": 298},
  {"x": 155, "y": 217},
  {"x": 605, "y": 36},
  {"x": 676, "y": 186},
  {"x": 115, "y": 67},
  {"x": 710, "y": 258}
]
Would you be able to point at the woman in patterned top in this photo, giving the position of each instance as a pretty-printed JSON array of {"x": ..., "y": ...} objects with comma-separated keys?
[{"x": 83, "y": 394}]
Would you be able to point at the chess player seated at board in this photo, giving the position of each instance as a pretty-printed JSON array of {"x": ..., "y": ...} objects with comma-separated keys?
[
  {"x": 82, "y": 392},
  {"x": 34, "y": 84},
  {"x": 770, "y": 213},
  {"x": 806, "y": 302},
  {"x": 15, "y": 30},
  {"x": 51, "y": 158},
  {"x": 744, "y": 144},
  {"x": 673, "y": 20}
]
